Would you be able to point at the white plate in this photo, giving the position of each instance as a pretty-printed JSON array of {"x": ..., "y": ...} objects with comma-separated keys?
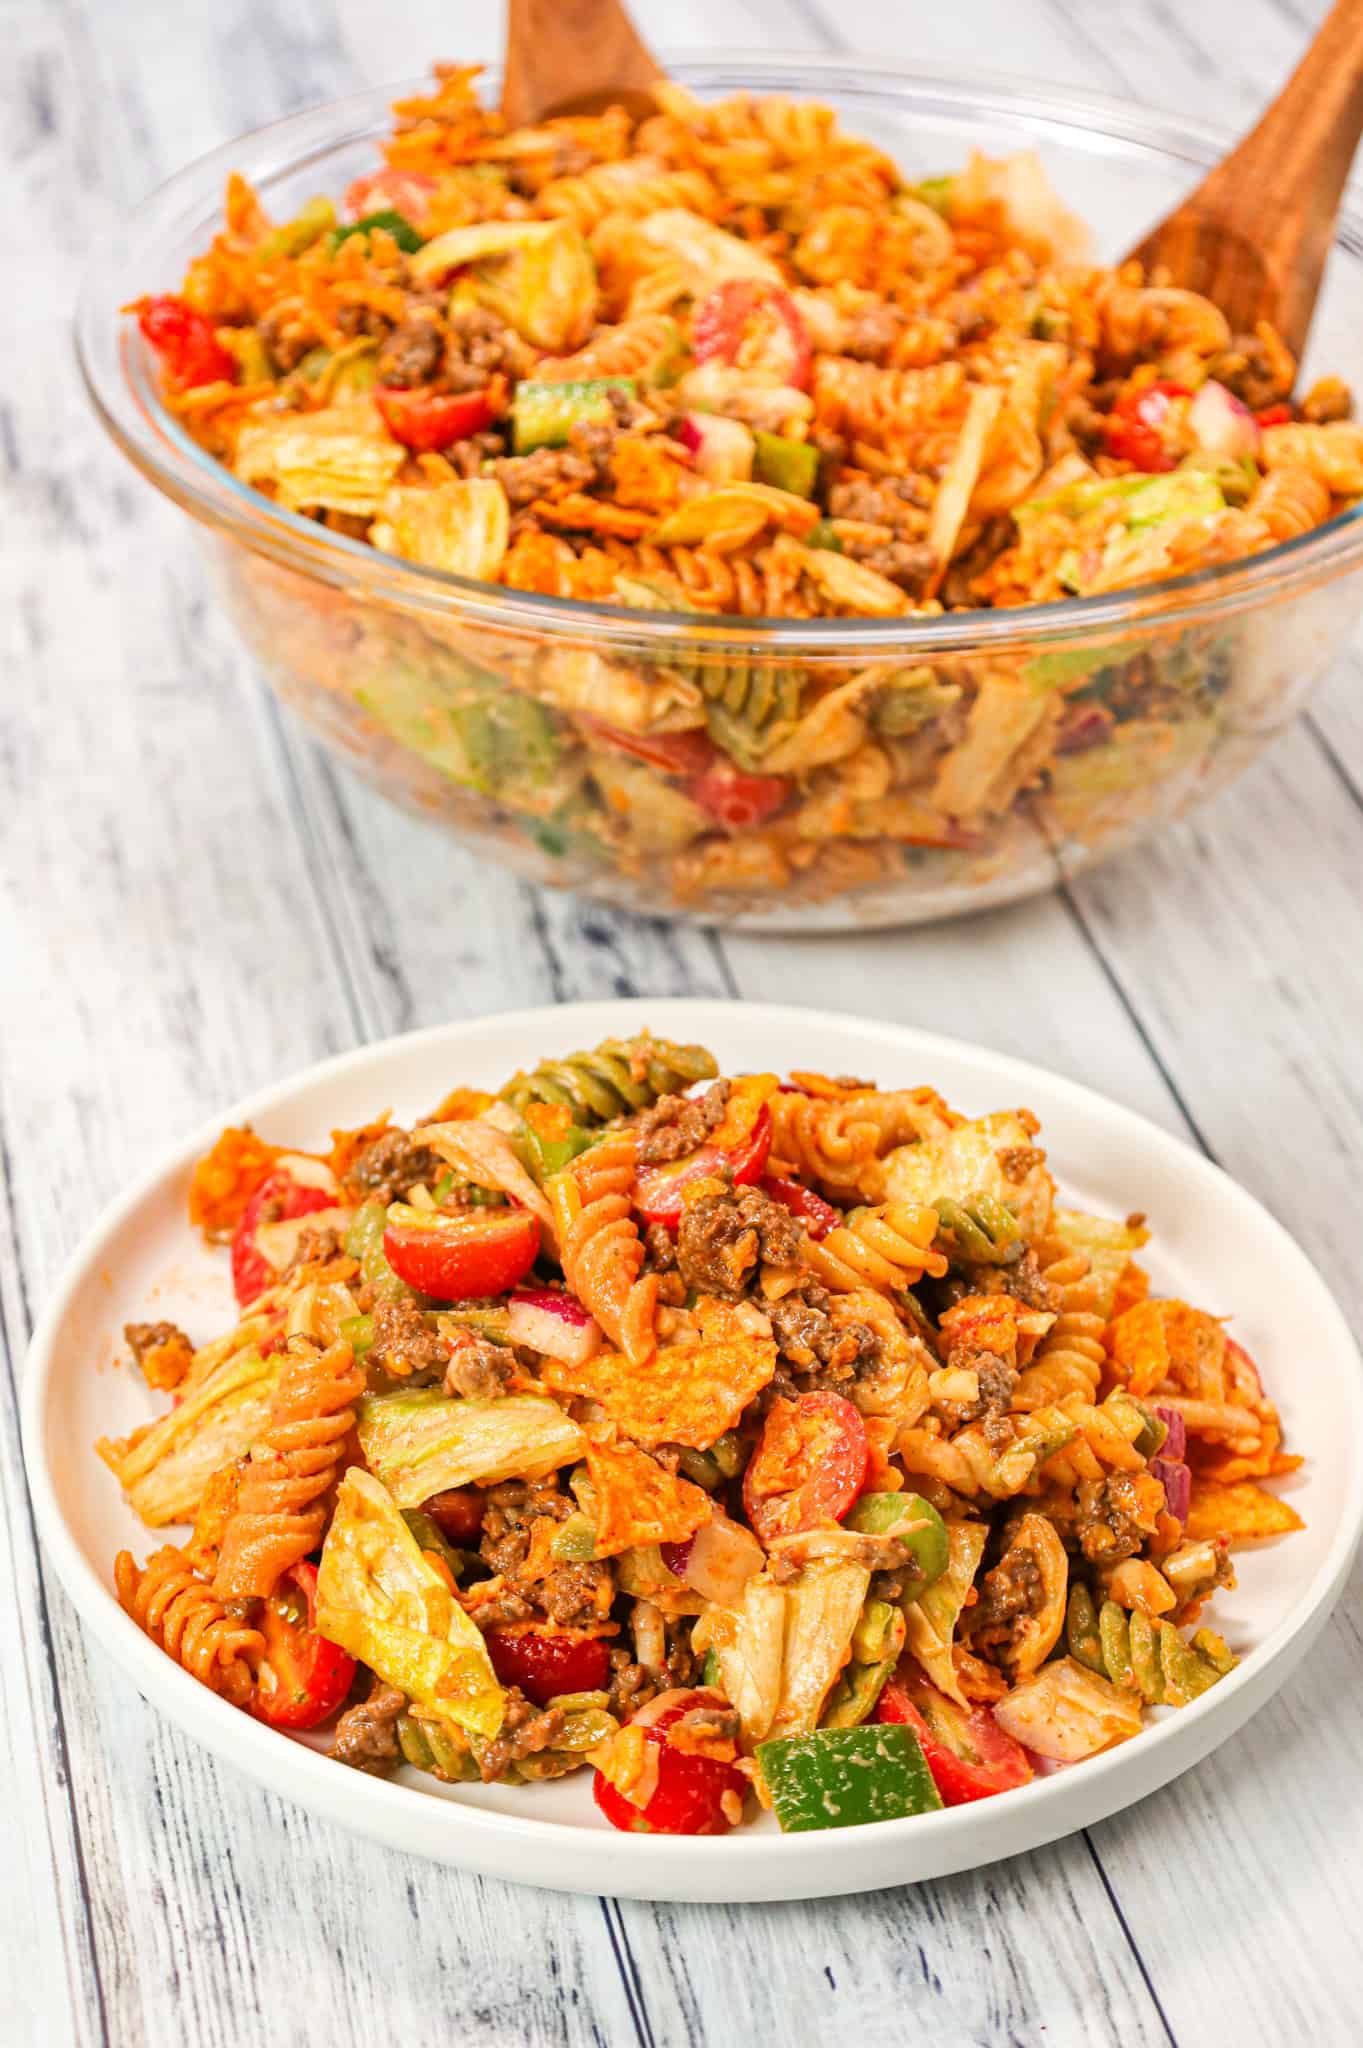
[{"x": 1212, "y": 1242}]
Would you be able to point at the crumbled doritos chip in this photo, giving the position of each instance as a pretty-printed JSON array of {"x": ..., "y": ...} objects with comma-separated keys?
[
  {"x": 461, "y": 1104},
  {"x": 1225, "y": 1466},
  {"x": 1242, "y": 1513},
  {"x": 1156, "y": 1341},
  {"x": 225, "y": 1179},
  {"x": 637, "y": 1502},
  {"x": 685, "y": 1394},
  {"x": 1133, "y": 1285},
  {"x": 748, "y": 1097}
]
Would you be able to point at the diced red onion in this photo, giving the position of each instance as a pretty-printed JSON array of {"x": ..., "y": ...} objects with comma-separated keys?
[
  {"x": 1177, "y": 1482},
  {"x": 552, "y": 1321},
  {"x": 1222, "y": 424},
  {"x": 723, "y": 448},
  {"x": 1175, "y": 1444},
  {"x": 718, "y": 1561}
]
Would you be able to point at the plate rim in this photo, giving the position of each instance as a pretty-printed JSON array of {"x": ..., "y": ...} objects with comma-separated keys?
[{"x": 741, "y": 1866}]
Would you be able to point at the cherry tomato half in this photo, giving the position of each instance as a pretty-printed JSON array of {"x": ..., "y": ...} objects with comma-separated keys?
[
  {"x": 457, "y": 1514},
  {"x": 427, "y": 421},
  {"x": 278, "y": 1199},
  {"x": 968, "y": 1754},
  {"x": 755, "y": 326},
  {"x": 676, "y": 753},
  {"x": 689, "y": 1796},
  {"x": 809, "y": 1465},
  {"x": 461, "y": 1258},
  {"x": 1275, "y": 416},
  {"x": 1136, "y": 430},
  {"x": 190, "y": 351},
  {"x": 817, "y": 1215},
  {"x": 303, "y": 1678},
  {"x": 390, "y": 190},
  {"x": 545, "y": 1666},
  {"x": 658, "y": 1189},
  {"x": 736, "y": 800}
]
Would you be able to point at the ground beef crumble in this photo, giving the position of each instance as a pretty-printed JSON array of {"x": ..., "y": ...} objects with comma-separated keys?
[
  {"x": 1009, "y": 1593},
  {"x": 366, "y": 1735},
  {"x": 404, "y": 1344},
  {"x": 391, "y": 1167},
  {"x": 1107, "y": 1524},
  {"x": 478, "y": 1368},
  {"x": 526, "y": 1731},
  {"x": 724, "y": 1238},
  {"x": 572, "y": 1594},
  {"x": 679, "y": 1124}
]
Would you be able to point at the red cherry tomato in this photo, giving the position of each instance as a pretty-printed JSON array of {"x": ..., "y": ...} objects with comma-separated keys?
[
  {"x": 817, "y": 1215},
  {"x": 968, "y": 1754},
  {"x": 1137, "y": 427},
  {"x": 676, "y": 753},
  {"x": 545, "y": 1666},
  {"x": 658, "y": 1189},
  {"x": 278, "y": 1199},
  {"x": 755, "y": 326},
  {"x": 457, "y": 1514},
  {"x": 190, "y": 352},
  {"x": 427, "y": 421},
  {"x": 390, "y": 191},
  {"x": 736, "y": 800},
  {"x": 809, "y": 1466},
  {"x": 461, "y": 1258},
  {"x": 1275, "y": 416},
  {"x": 303, "y": 1678},
  {"x": 689, "y": 1796}
]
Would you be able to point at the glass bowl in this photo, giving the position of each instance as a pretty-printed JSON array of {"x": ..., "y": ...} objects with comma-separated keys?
[{"x": 942, "y": 788}]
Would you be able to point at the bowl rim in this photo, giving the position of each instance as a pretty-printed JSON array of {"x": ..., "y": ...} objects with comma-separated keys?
[{"x": 115, "y": 369}]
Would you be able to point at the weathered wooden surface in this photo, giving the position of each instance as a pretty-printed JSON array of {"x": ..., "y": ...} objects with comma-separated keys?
[{"x": 192, "y": 902}]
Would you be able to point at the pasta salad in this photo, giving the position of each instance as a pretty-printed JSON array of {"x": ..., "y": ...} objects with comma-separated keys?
[{"x": 752, "y": 1443}]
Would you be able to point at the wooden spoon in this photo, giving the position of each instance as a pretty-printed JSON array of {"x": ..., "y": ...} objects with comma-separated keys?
[
  {"x": 573, "y": 57},
  {"x": 1255, "y": 234}
]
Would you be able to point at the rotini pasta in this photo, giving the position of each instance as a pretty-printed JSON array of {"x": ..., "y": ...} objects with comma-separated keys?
[
  {"x": 180, "y": 1612},
  {"x": 600, "y": 1248},
  {"x": 280, "y": 1509},
  {"x": 622, "y": 1074},
  {"x": 888, "y": 1248}
]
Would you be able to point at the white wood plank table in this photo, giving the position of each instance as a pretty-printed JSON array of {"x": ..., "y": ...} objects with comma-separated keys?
[{"x": 192, "y": 903}]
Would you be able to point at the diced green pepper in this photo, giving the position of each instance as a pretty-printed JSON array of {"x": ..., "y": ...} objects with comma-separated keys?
[
  {"x": 543, "y": 415},
  {"x": 574, "y": 1540},
  {"x": 877, "y": 1642},
  {"x": 880, "y": 1514},
  {"x": 845, "y": 1777},
  {"x": 391, "y": 221},
  {"x": 364, "y": 1241},
  {"x": 541, "y": 1156},
  {"x": 785, "y": 464},
  {"x": 358, "y": 1332},
  {"x": 936, "y": 193},
  {"x": 710, "y": 1673}
]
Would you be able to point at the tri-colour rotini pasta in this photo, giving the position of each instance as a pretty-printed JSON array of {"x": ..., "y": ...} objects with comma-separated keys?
[
  {"x": 749, "y": 1441},
  {"x": 729, "y": 362}
]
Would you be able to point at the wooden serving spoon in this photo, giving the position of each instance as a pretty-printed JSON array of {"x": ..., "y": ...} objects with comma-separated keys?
[
  {"x": 1255, "y": 234},
  {"x": 573, "y": 57}
]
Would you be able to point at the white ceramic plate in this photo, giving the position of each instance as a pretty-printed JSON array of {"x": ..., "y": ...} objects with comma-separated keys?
[{"x": 1212, "y": 1242}]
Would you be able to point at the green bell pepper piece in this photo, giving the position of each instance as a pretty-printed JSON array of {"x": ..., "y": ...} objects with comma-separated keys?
[
  {"x": 877, "y": 1644},
  {"x": 364, "y": 1241},
  {"x": 844, "y": 1777},
  {"x": 391, "y": 221},
  {"x": 431, "y": 1537},
  {"x": 574, "y": 1540},
  {"x": 785, "y": 464},
  {"x": 358, "y": 1332},
  {"x": 544, "y": 415},
  {"x": 880, "y": 1514}
]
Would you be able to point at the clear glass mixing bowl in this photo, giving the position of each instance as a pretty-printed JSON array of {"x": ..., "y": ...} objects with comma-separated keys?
[{"x": 1188, "y": 680}]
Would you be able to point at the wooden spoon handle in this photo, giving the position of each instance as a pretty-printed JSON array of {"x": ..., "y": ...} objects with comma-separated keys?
[
  {"x": 572, "y": 56},
  {"x": 1255, "y": 235}
]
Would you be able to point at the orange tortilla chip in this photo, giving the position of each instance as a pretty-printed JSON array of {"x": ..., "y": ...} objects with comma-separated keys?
[
  {"x": 461, "y": 1104},
  {"x": 225, "y": 1179},
  {"x": 1242, "y": 1513},
  {"x": 748, "y": 1097},
  {"x": 637, "y": 1502},
  {"x": 1133, "y": 1285},
  {"x": 1224, "y": 1466},
  {"x": 1154, "y": 1341},
  {"x": 685, "y": 1394}
]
